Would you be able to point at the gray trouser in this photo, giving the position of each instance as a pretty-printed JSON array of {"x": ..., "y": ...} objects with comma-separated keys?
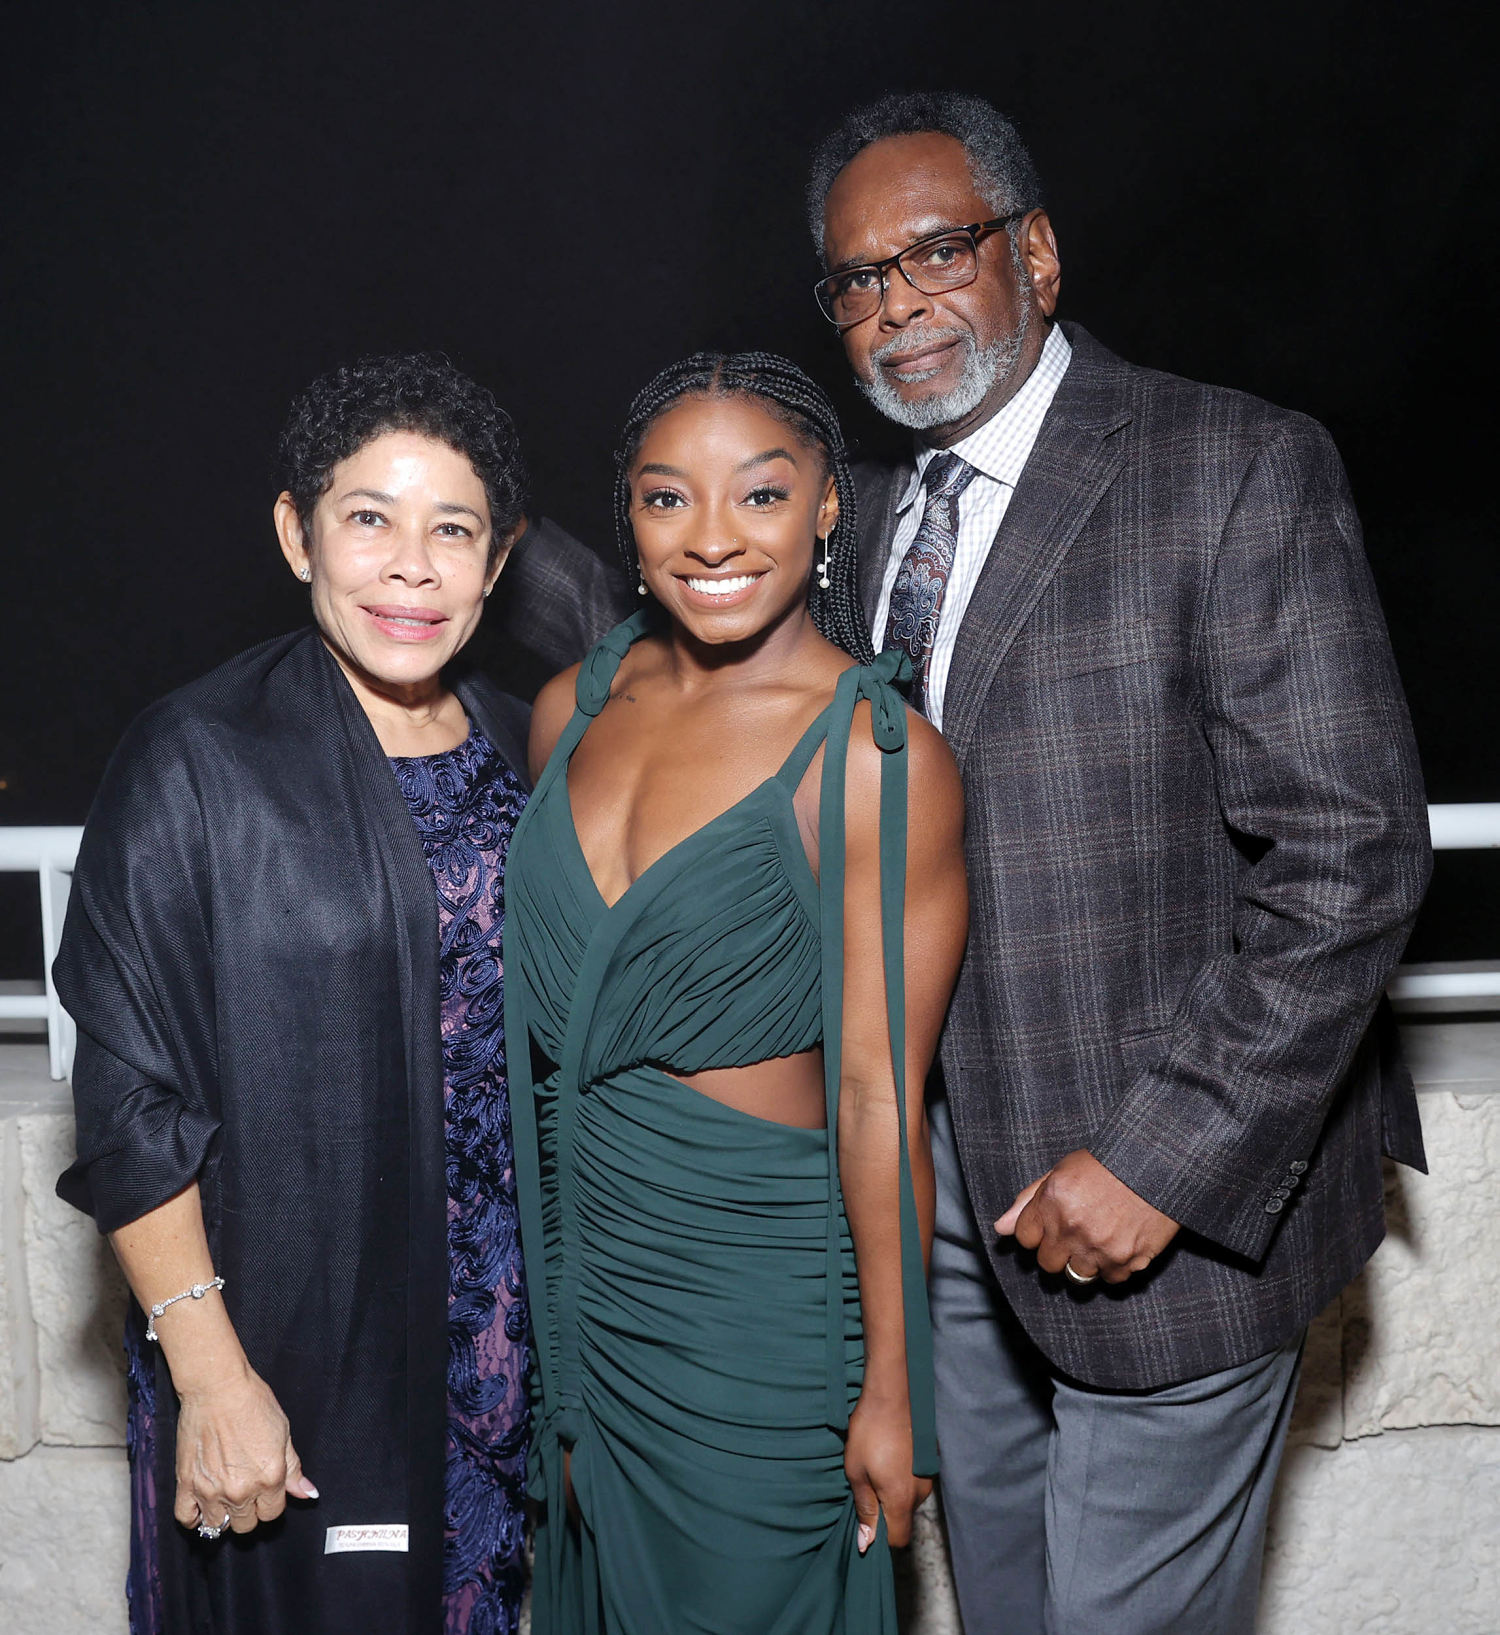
[{"x": 1080, "y": 1512}]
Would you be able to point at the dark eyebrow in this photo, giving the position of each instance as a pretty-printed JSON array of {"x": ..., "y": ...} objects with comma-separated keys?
[
  {"x": 448, "y": 506},
  {"x": 939, "y": 226},
  {"x": 769, "y": 455},
  {"x": 655, "y": 468}
]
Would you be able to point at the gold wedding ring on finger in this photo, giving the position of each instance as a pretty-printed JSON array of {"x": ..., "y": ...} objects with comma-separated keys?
[{"x": 1082, "y": 1279}]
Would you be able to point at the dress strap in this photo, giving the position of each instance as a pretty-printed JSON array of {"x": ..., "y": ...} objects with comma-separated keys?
[
  {"x": 597, "y": 672},
  {"x": 796, "y": 764},
  {"x": 876, "y": 683},
  {"x": 596, "y": 675}
]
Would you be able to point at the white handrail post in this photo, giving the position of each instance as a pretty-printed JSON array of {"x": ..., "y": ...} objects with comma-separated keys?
[
  {"x": 50, "y": 852},
  {"x": 56, "y": 883}
]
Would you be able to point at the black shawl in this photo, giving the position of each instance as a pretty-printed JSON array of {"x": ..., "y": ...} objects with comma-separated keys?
[{"x": 250, "y": 955}]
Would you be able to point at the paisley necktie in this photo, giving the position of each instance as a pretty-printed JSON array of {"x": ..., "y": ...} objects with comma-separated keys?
[{"x": 917, "y": 596}]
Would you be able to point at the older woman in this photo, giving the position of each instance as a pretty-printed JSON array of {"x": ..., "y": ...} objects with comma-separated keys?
[{"x": 282, "y": 953}]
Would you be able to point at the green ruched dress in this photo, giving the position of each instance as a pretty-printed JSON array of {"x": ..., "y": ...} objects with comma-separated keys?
[{"x": 692, "y": 1278}]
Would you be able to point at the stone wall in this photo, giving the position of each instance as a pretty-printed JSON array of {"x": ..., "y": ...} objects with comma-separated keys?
[
  {"x": 1387, "y": 1517},
  {"x": 64, "y": 1504}
]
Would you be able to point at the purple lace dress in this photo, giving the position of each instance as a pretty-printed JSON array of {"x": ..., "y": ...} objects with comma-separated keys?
[{"x": 464, "y": 803}]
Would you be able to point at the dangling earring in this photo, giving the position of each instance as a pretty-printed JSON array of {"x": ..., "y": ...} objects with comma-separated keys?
[
  {"x": 640, "y": 588},
  {"x": 823, "y": 579},
  {"x": 306, "y": 576}
]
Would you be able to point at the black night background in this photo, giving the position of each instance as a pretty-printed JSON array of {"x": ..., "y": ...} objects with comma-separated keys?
[{"x": 205, "y": 206}]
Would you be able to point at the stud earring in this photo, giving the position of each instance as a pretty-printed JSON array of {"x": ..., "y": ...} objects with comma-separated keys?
[
  {"x": 305, "y": 576},
  {"x": 823, "y": 578}
]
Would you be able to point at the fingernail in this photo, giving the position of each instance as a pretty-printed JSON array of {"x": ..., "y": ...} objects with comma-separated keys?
[
  {"x": 312, "y": 1492},
  {"x": 866, "y": 1536}
]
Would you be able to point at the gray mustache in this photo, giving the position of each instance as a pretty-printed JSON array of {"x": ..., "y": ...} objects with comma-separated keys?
[{"x": 900, "y": 347}]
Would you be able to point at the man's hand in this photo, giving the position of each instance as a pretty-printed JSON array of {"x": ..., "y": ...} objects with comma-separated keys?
[{"x": 1079, "y": 1214}]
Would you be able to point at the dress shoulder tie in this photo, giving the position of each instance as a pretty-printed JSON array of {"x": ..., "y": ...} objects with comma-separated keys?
[
  {"x": 596, "y": 674},
  {"x": 876, "y": 683}
]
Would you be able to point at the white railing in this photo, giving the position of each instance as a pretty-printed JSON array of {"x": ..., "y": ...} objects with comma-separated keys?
[
  {"x": 50, "y": 854},
  {"x": 1471, "y": 827}
]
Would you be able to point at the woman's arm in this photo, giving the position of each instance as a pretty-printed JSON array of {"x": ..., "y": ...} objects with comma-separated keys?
[
  {"x": 878, "y": 1454},
  {"x": 136, "y": 971},
  {"x": 235, "y": 1459}
]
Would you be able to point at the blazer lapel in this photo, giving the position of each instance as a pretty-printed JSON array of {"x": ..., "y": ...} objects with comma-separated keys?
[{"x": 1075, "y": 459}]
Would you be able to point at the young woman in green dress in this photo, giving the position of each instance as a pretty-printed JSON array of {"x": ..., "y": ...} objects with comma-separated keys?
[{"x": 735, "y": 912}]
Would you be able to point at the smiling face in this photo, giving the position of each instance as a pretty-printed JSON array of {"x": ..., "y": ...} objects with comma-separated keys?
[
  {"x": 398, "y": 549},
  {"x": 727, "y": 504},
  {"x": 941, "y": 364}
]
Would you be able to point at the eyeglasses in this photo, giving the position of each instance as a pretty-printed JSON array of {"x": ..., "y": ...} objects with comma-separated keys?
[{"x": 945, "y": 261}]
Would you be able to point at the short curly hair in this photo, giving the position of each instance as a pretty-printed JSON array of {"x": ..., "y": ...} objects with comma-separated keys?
[
  {"x": 999, "y": 160},
  {"x": 405, "y": 391}
]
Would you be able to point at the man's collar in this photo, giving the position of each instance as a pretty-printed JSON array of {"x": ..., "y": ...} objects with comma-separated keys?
[{"x": 1000, "y": 447}]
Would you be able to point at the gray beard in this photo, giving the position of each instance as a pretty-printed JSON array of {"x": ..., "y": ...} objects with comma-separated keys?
[{"x": 982, "y": 369}]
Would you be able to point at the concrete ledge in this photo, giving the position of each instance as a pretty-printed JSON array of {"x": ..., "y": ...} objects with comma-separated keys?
[
  {"x": 1394, "y": 1535},
  {"x": 924, "y": 1586},
  {"x": 1453, "y": 1055},
  {"x": 1419, "y": 1326},
  {"x": 78, "y": 1298},
  {"x": 64, "y": 1522},
  {"x": 1387, "y": 1517}
]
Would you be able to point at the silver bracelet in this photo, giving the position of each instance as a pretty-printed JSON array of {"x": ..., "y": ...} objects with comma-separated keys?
[{"x": 197, "y": 1292}]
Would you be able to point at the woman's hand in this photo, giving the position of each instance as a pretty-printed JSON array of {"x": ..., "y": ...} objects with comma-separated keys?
[
  {"x": 877, "y": 1461},
  {"x": 235, "y": 1459}
]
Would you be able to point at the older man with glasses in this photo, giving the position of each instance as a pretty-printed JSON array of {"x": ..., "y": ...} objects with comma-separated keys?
[{"x": 1140, "y": 611}]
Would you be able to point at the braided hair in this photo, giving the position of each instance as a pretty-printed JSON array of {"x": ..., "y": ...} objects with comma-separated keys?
[{"x": 798, "y": 401}]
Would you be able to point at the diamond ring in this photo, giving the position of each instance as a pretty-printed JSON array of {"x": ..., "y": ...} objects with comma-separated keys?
[{"x": 205, "y": 1531}]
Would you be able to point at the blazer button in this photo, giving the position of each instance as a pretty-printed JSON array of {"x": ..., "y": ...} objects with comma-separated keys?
[
  {"x": 1291, "y": 1180},
  {"x": 1299, "y": 1168},
  {"x": 1283, "y": 1192},
  {"x": 1274, "y": 1206}
]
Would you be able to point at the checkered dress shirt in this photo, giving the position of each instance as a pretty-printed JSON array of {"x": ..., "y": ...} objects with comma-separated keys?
[{"x": 998, "y": 451}]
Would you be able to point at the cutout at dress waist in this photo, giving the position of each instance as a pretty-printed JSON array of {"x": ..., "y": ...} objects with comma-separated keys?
[{"x": 806, "y": 1063}]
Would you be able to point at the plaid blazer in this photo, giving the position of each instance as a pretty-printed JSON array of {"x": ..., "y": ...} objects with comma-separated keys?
[
  {"x": 1196, "y": 843},
  {"x": 555, "y": 599}
]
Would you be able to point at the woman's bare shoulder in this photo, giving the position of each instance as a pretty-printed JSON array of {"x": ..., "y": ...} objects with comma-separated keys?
[
  {"x": 933, "y": 784},
  {"x": 550, "y": 714},
  {"x": 932, "y": 762}
]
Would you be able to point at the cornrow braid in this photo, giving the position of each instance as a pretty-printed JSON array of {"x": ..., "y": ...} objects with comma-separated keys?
[{"x": 797, "y": 400}]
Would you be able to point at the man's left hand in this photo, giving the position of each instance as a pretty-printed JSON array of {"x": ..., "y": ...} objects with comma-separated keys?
[{"x": 1080, "y": 1215}]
